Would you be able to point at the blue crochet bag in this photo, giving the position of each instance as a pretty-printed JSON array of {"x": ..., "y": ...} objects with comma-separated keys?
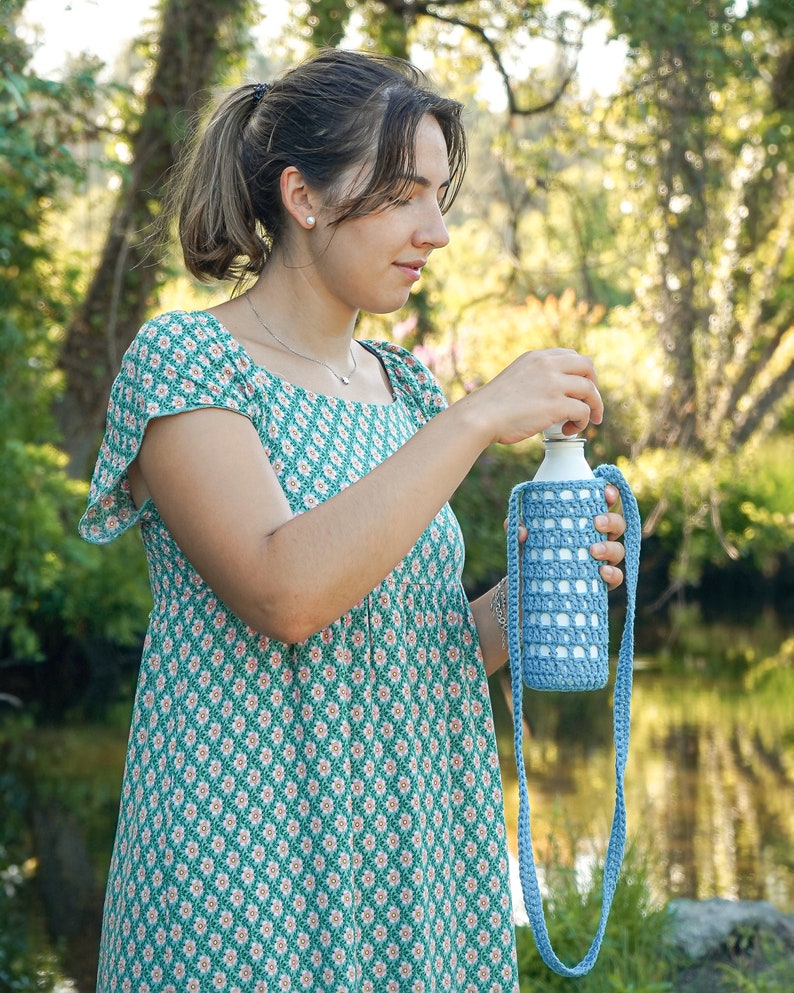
[{"x": 558, "y": 639}]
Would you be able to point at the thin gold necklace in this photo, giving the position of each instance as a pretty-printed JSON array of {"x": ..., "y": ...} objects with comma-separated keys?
[{"x": 345, "y": 380}]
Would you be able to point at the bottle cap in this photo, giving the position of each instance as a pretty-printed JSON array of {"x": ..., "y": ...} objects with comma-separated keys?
[{"x": 554, "y": 432}]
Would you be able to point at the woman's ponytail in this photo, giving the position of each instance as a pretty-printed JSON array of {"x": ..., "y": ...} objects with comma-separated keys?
[{"x": 218, "y": 228}]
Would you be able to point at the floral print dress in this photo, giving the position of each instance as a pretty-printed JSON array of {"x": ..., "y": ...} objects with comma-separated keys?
[{"x": 323, "y": 816}]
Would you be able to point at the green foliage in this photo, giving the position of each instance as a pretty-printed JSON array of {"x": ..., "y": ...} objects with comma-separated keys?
[
  {"x": 760, "y": 964},
  {"x": 760, "y": 517},
  {"x": 36, "y": 169},
  {"x": 53, "y": 586},
  {"x": 79, "y": 767},
  {"x": 324, "y": 22},
  {"x": 71, "y": 774},
  {"x": 634, "y": 956},
  {"x": 480, "y": 505},
  {"x": 773, "y": 675},
  {"x": 735, "y": 506}
]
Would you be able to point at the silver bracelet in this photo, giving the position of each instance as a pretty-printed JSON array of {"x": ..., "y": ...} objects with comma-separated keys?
[{"x": 499, "y": 607}]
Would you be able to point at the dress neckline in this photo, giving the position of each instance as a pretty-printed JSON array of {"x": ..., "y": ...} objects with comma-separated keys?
[{"x": 314, "y": 394}]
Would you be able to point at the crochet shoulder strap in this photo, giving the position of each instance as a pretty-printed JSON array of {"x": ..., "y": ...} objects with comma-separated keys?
[{"x": 621, "y": 708}]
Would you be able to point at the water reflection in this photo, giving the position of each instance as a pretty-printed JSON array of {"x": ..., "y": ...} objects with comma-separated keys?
[{"x": 709, "y": 782}]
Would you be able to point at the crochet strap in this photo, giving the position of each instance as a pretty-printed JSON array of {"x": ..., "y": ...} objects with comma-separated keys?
[{"x": 621, "y": 716}]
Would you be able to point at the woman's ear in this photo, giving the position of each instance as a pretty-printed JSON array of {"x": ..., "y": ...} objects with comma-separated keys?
[{"x": 297, "y": 197}]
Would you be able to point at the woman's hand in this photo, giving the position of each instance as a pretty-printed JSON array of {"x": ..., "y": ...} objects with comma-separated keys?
[
  {"x": 549, "y": 386},
  {"x": 611, "y": 551}
]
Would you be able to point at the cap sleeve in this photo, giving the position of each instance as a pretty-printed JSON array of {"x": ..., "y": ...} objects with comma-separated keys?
[
  {"x": 177, "y": 362},
  {"x": 411, "y": 377}
]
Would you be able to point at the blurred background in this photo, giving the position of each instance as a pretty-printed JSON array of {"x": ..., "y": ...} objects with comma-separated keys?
[{"x": 630, "y": 194}]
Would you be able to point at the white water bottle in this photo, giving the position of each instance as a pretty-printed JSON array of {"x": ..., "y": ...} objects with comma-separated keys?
[
  {"x": 564, "y": 456},
  {"x": 564, "y": 628}
]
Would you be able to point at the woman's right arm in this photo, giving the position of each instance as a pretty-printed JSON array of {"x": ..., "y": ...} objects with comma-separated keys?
[{"x": 288, "y": 576}]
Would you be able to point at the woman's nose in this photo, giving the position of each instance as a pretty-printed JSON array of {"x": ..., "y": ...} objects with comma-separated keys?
[{"x": 434, "y": 232}]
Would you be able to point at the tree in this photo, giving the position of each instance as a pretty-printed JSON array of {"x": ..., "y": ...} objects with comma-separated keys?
[
  {"x": 498, "y": 29},
  {"x": 199, "y": 41},
  {"x": 36, "y": 122},
  {"x": 704, "y": 129}
]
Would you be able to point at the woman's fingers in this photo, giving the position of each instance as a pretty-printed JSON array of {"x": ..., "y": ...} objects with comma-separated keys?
[
  {"x": 610, "y": 551},
  {"x": 611, "y": 575},
  {"x": 522, "y": 532},
  {"x": 611, "y": 525}
]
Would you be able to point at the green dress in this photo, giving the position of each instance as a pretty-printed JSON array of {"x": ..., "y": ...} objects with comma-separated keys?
[{"x": 322, "y": 816}]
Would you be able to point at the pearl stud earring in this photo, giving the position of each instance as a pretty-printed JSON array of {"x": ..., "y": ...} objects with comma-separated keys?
[{"x": 311, "y": 221}]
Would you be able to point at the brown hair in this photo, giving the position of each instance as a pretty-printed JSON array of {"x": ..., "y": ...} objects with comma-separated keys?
[{"x": 336, "y": 110}]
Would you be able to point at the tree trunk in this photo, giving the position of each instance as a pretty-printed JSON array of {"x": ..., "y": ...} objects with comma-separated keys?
[
  {"x": 680, "y": 198},
  {"x": 198, "y": 40}
]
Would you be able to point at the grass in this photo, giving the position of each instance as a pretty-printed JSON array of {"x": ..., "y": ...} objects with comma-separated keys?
[{"x": 635, "y": 955}]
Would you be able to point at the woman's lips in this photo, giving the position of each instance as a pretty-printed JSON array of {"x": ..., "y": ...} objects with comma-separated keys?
[{"x": 412, "y": 270}]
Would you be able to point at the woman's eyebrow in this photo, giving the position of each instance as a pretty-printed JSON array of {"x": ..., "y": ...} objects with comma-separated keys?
[{"x": 423, "y": 181}]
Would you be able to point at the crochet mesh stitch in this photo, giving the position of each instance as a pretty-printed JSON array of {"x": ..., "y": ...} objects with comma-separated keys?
[{"x": 565, "y": 636}]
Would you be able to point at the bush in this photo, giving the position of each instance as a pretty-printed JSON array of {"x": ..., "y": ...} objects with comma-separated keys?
[
  {"x": 480, "y": 504},
  {"x": 728, "y": 512},
  {"x": 54, "y": 588}
]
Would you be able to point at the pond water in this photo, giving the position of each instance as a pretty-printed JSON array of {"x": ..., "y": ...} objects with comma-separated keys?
[{"x": 710, "y": 775}]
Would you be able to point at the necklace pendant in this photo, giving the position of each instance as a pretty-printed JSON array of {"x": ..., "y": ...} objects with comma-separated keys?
[{"x": 345, "y": 380}]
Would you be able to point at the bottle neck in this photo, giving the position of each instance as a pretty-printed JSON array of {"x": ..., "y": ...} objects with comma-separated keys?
[
  {"x": 564, "y": 460},
  {"x": 562, "y": 446}
]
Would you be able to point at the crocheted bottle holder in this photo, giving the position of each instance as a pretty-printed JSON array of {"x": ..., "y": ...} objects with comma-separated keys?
[{"x": 558, "y": 639}]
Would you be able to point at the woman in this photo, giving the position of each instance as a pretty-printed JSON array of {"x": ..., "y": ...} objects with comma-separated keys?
[{"x": 311, "y": 798}]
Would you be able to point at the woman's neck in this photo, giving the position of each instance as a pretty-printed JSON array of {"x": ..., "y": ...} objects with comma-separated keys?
[{"x": 293, "y": 310}]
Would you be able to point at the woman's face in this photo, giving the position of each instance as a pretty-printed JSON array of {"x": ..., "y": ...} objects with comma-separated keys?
[{"x": 370, "y": 263}]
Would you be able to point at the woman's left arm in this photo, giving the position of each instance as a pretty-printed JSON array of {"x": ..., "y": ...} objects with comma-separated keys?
[{"x": 610, "y": 551}]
